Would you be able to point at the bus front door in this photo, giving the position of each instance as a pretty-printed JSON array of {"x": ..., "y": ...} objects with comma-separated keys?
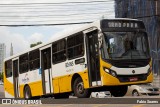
[
  {"x": 46, "y": 71},
  {"x": 93, "y": 58},
  {"x": 15, "y": 78}
]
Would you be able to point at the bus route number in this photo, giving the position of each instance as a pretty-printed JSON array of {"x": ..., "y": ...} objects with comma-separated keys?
[{"x": 68, "y": 64}]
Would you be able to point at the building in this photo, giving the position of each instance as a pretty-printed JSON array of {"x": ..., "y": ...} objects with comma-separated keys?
[
  {"x": 149, "y": 12},
  {"x": 11, "y": 50},
  {"x": 2, "y": 55}
]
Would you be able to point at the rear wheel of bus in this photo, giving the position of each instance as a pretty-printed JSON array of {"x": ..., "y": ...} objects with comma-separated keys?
[
  {"x": 27, "y": 93},
  {"x": 79, "y": 90}
]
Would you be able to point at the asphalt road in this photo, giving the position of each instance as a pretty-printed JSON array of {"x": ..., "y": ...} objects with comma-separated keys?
[
  {"x": 85, "y": 105},
  {"x": 87, "y": 102},
  {"x": 1, "y": 91}
]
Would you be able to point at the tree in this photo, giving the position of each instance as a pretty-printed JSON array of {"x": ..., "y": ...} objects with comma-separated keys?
[
  {"x": 35, "y": 44},
  {"x": 1, "y": 76}
]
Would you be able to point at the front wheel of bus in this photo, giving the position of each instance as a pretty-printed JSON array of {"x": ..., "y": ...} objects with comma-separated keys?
[
  {"x": 119, "y": 91},
  {"x": 79, "y": 90},
  {"x": 27, "y": 93}
]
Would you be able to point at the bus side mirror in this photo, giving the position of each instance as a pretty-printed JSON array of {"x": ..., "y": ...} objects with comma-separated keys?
[
  {"x": 100, "y": 42},
  {"x": 100, "y": 45}
]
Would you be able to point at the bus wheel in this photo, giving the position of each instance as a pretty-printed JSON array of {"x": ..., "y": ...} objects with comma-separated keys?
[
  {"x": 27, "y": 93},
  {"x": 119, "y": 91},
  {"x": 79, "y": 90}
]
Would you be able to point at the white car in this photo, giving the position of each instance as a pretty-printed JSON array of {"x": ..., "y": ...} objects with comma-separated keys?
[
  {"x": 1, "y": 83},
  {"x": 102, "y": 94},
  {"x": 143, "y": 89}
]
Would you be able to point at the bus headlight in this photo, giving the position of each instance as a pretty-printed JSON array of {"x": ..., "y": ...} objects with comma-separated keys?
[
  {"x": 113, "y": 73},
  {"x": 109, "y": 71},
  {"x": 105, "y": 69}
]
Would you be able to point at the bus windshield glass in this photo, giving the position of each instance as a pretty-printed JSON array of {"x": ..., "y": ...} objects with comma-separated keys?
[{"x": 125, "y": 45}]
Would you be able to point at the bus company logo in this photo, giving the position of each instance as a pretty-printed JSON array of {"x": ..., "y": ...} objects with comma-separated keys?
[
  {"x": 6, "y": 101},
  {"x": 68, "y": 64},
  {"x": 133, "y": 71},
  {"x": 25, "y": 79},
  {"x": 19, "y": 101}
]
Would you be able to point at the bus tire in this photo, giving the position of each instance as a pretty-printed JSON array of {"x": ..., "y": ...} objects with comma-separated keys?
[
  {"x": 27, "y": 92},
  {"x": 79, "y": 90},
  {"x": 119, "y": 91}
]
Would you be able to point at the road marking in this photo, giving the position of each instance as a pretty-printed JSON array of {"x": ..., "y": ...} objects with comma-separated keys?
[
  {"x": 99, "y": 105},
  {"x": 64, "y": 105},
  {"x": 30, "y": 105},
  {"x": 140, "y": 105}
]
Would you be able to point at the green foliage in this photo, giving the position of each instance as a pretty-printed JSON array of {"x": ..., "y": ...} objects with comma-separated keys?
[
  {"x": 35, "y": 44},
  {"x": 1, "y": 76}
]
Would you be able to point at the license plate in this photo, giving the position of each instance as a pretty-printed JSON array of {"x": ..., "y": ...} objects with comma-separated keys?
[
  {"x": 133, "y": 79},
  {"x": 156, "y": 92}
]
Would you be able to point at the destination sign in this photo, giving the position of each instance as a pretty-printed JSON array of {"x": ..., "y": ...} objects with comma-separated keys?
[{"x": 122, "y": 24}]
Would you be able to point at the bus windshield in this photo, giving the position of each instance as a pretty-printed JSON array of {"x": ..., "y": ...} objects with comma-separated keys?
[{"x": 125, "y": 45}]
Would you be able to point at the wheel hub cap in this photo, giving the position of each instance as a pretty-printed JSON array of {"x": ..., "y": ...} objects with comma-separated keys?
[{"x": 80, "y": 88}]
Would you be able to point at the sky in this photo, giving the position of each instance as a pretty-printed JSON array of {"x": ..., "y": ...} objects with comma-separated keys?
[{"x": 30, "y": 12}]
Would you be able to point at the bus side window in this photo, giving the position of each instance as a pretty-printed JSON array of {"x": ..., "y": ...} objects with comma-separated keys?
[
  {"x": 34, "y": 60},
  {"x": 59, "y": 51},
  {"x": 23, "y": 63},
  {"x": 75, "y": 46},
  {"x": 8, "y": 68}
]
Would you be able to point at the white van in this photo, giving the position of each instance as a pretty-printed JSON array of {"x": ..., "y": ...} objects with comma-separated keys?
[{"x": 102, "y": 94}]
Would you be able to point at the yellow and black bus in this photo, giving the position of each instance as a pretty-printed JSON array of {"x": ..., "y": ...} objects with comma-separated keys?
[{"x": 108, "y": 54}]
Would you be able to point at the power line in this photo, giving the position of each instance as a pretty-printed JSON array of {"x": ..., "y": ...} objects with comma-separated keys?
[
  {"x": 48, "y": 20},
  {"x": 56, "y": 3},
  {"x": 8, "y": 25},
  {"x": 51, "y": 9},
  {"x": 50, "y": 5},
  {"x": 54, "y": 15},
  {"x": 48, "y": 12}
]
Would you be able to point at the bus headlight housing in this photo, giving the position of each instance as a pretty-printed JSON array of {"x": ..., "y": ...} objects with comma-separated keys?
[
  {"x": 149, "y": 71},
  {"x": 109, "y": 71}
]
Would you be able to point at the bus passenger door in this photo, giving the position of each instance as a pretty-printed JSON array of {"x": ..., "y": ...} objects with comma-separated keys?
[
  {"x": 93, "y": 58},
  {"x": 15, "y": 78},
  {"x": 46, "y": 70}
]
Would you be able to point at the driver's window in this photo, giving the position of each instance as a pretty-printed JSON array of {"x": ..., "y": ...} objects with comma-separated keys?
[{"x": 112, "y": 45}]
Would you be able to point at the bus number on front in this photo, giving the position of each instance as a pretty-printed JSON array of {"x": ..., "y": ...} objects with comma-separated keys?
[{"x": 68, "y": 64}]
